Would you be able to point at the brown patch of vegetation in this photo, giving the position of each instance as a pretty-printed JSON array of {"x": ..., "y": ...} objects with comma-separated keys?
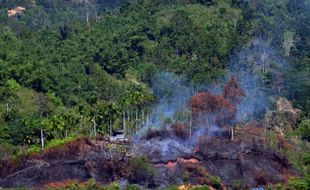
[
  {"x": 78, "y": 160},
  {"x": 154, "y": 133},
  {"x": 209, "y": 103},
  {"x": 180, "y": 130},
  {"x": 206, "y": 107},
  {"x": 252, "y": 132},
  {"x": 233, "y": 92},
  {"x": 200, "y": 176},
  {"x": 60, "y": 184},
  {"x": 8, "y": 166},
  {"x": 64, "y": 152},
  {"x": 260, "y": 178},
  {"x": 112, "y": 169},
  {"x": 282, "y": 143},
  {"x": 283, "y": 117}
]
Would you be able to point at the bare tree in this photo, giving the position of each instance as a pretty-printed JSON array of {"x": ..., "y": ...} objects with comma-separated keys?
[{"x": 44, "y": 110}]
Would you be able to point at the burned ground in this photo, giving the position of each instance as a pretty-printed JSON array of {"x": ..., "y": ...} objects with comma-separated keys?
[
  {"x": 254, "y": 165},
  {"x": 181, "y": 162},
  {"x": 177, "y": 161},
  {"x": 79, "y": 160}
]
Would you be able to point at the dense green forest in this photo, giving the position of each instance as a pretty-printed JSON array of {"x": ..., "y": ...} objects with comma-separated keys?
[
  {"x": 71, "y": 73},
  {"x": 61, "y": 71},
  {"x": 71, "y": 67}
]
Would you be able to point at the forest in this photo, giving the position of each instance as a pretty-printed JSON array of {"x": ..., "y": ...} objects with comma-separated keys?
[{"x": 71, "y": 69}]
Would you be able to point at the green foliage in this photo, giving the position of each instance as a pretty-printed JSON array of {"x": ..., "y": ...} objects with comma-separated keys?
[
  {"x": 172, "y": 188},
  {"x": 60, "y": 74},
  {"x": 297, "y": 150},
  {"x": 12, "y": 85},
  {"x": 132, "y": 187},
  {"x": 91, "y": 184},
  {"x": 303, "y": 129},
  {"x": 113, "y": 186},
  {"x": 186, "y": 176},
  {"x": 300, "y": 183},
  {"x": 8, "y": 151},
  {"x": 215, "y": 181},
  {"x": 276, "y": 187},
  {"x": 59, "y": 142},
  {"x": 34, "y": 149},
  {"x": 237, "y": 185},
  {"x": 204, "y": 187}
]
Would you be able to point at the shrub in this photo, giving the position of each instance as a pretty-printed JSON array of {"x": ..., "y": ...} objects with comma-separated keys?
[
  {"x": 59, "y": 142},
  {"x": 112, "y": 186},
  {"x": 9, "y": 151},
  {"x": 132, "y": 187},
  {"x": 186, "y": 176},
  {"x": 180, "y": 130},
  {"x": 260, "y": 178},
  {"x": 253, "y": 132},
  {"x": 237, "y": 185},
  {"x": 300, "y": 183},
  {"x": 154, "y": 133},
  {"x": 276, "y": 187},
  {"x": 173, "y": 188},
  {"x": 204, "y": 187},
  {"x": 65, "y": 150},
  {"x": 215, "y": 181},
  {"x": 92, "y": 184},
  {"x": 303, "y": 130},
  {"x": 35, "y": 149},
  {"x": 141, "y": 171}
]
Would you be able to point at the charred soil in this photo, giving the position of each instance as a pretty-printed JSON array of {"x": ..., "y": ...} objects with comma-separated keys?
[
  {"x": 79, "y": 160},
  {"x": 175, "y": 162}
]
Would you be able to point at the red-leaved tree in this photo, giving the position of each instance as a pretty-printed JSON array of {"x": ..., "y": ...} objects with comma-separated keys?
[
  {"x": 211, "y": 109},
  {"x": 233, "y": 92}
]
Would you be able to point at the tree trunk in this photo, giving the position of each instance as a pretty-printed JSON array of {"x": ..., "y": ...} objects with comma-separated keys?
[
  {"x": 147, "y": 120},
  {"x": 190, "y": 126},
  {"x": 7, "y": 109},
  {"x": 232, "y": 133},
  {"x": 42, "y": 138},
  {"x": 124, "y": 121},
  {"x": 87, "y": 12},
  {"x": 66, "y": 133},
  {"x": 128, "y": 118},
  {"x": 94, "y": 126},
  {"x": 183, "y": 104},
  {"x": 137, "y": 124},
  {"x": 142, "y": 118},
  {"x": 96, "y": 12},
  {"x": 110, "y": 125}
]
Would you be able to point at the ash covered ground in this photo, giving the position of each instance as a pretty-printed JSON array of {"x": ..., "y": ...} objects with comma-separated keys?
[
  {"x": 213, "y": 156},
  {"x": 176, "y": 159}
]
